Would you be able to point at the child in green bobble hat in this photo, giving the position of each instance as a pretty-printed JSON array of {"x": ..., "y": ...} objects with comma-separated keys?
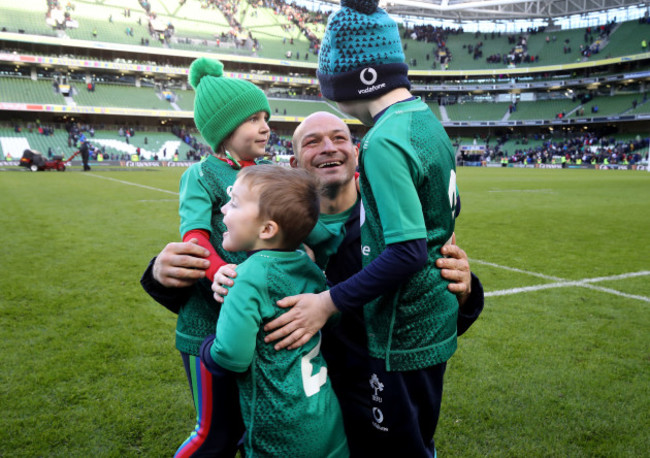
[{"x": 231, "y": 115}]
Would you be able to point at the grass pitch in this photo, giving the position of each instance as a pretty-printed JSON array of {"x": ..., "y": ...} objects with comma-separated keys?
[{"x": 557, "y": 365}]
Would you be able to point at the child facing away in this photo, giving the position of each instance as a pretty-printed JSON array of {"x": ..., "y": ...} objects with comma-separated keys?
[
  {"x": 231, "y": 115},
  {"x": 408, "y": 189},
  {"x": 287, "y": 402}
]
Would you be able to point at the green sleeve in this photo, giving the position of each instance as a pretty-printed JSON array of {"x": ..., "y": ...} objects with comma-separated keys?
[
  {"x": 393, "y": 174},
  {"x": 195, "y": 206},
  {"x": 238, "y": 324}
]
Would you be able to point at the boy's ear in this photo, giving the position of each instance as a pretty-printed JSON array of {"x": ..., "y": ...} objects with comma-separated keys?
[{"x": 269, "y": 230}]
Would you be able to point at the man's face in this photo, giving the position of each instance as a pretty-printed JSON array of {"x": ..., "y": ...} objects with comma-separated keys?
[
  {"x": 241, "y": 217},
  {"x": 324, "y": 148}
]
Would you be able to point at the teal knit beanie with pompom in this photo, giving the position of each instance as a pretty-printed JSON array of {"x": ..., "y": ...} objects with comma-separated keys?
[
  {"x": 361, "y": 54},
  {"x": 221, "y": 104}
]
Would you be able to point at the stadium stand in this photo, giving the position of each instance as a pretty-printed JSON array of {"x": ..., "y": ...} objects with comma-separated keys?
[
  {"x": 112, "y": 95},
  {"x": 253, "y": 38},
  {"x": 26, "y": 90},
  {"x": 627, "y": 39},
  {"x": 288, "y": 107},
  {"x": 543, "y": 109},
  {"x": 610, "y": 105},
  {"x": 164, "y": 144},
  {"x": 476, "y": 111}
]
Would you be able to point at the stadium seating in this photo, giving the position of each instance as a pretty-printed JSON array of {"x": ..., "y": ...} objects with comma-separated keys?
[
  {"x": 293, "y": 107},
  {"x": 58, "y": 142},
  {"x": 477, "y": 111},
  {"x": 192, "y": 20},
  {"x": 28, "y": 91},
  {"x": 185, "y": 99},
  {"x": 198, "y": 27},
  {"x": 113, "y": 95},
  {"x": 643, "y": 107},
  {"x": 20, "y": 16},
  {"x": 624, "y": 40},
  {"x": 543, "y": 109},
  {"x": 108, "y": 139},
  {"x": 611, "y": 105},
  {"x": 627, "y": 39},
  {"x": 514, "y": 144},
  {"x": 299, "y": 107}
]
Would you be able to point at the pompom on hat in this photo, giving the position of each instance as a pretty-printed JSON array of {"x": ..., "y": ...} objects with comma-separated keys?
[
  {"x": 221, "y": 104},
  {"x": 361, "y": 54}
]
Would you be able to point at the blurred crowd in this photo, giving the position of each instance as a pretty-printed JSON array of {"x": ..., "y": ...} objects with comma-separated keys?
[{"x": 586, "y": 148}]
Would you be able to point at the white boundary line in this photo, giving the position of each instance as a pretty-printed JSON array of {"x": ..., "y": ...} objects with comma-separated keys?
[
  {"x": 130, "y": 183},
  {"x": 559, "y": 282},
  {"x": 513, "y": 269},
  {"x": 562, "y": 283}
]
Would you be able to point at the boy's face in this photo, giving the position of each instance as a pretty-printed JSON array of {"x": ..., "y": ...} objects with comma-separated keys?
[
  {"x": 241, "y": 217},
  {"x": 247, "y": 142}
]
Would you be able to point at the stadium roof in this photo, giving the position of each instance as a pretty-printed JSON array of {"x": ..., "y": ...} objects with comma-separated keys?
[{"x": 468, "y": 10}]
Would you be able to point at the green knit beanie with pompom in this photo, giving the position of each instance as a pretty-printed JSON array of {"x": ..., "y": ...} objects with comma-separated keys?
[{"x": 221, "y": 104}]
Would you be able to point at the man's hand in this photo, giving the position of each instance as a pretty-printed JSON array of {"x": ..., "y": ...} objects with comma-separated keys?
[
  {"x": 224, "y": 276},
  {"x": 181, "y": 264},
  {"x": 455, "y": 268},
  {"x": 309, "y": 314}
]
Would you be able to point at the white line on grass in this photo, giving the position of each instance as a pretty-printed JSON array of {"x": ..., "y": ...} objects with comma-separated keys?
[
  {"x": 519, "y": 191},
  {"x": 513, "y": 269},
  {"x": 584, "y": 283},
  {"x": 130, "y": 183}
]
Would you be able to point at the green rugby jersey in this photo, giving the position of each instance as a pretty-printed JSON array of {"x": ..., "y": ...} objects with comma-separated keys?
[
  {"x": 408, "y": 188},
  {"x": 288, "y": 405},
  {"x": 204, "y": 188}
]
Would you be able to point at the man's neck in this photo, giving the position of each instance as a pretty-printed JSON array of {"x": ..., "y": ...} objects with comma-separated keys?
[{"x": 338, "y": 200}]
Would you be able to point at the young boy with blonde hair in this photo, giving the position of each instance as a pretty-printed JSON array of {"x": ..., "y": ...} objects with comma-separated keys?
[{"x": 287, "y": 402}]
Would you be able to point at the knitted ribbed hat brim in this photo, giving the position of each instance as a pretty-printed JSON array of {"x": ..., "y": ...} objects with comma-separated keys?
[{"x": 363, "y": 83}]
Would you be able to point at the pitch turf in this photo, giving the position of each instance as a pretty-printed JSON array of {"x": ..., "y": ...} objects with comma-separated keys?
[{"x": 558, "y": 364}]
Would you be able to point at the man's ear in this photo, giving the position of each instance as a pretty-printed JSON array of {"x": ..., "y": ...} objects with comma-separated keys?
[
  {"x": 269, "y": 230},
  {"x": 293, "y": 162},
  {"x": 356, "y": 155}
]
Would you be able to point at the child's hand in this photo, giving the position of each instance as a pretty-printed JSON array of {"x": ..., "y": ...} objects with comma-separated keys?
[
  {"x": 455, "y": 268},
  {"x": 224, "y": 276},
  {"x": 309, "y": 314}
]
